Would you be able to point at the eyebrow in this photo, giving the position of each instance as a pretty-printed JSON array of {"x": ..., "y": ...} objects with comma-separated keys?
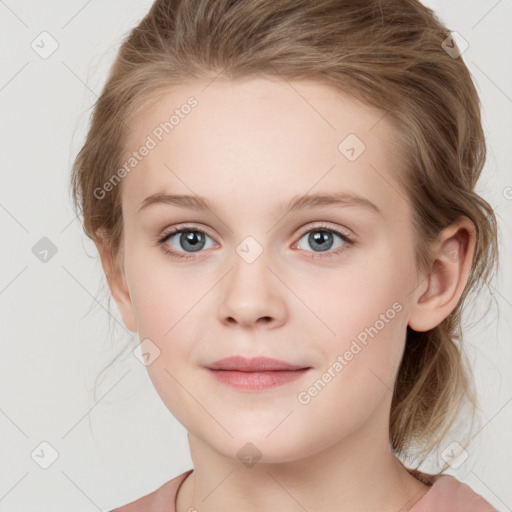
[{"x": 308, "y": 201}]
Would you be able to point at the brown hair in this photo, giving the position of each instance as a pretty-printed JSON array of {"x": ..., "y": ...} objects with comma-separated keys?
[{"x": 388, "y": 54}]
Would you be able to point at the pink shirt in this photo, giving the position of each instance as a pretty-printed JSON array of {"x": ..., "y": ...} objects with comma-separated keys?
[{"x": 447, "y": 494}]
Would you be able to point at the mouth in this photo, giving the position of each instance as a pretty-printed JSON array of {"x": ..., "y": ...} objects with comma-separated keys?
[
  {"x": 255, "y": 364},
  {"x": 256, "y": 374}
]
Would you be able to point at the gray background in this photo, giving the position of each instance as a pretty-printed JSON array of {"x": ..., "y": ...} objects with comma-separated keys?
[{"x": 125, "y": 443}]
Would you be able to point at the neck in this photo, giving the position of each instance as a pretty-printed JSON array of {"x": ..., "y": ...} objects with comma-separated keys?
[{"x": 358, "y": 473}]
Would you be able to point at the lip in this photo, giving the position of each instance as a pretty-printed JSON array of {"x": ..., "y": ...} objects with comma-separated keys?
[
  {"x": 255, "y": 374},
  {"x": 255, "y": 364}
]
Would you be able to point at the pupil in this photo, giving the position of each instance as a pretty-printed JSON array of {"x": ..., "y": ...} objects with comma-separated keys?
[
  {"x": 193, "y": 238},
  {"x": 322, "y": 238}
]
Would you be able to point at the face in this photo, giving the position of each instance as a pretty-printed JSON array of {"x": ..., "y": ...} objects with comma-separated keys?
[{"x": 325, "y": 285}]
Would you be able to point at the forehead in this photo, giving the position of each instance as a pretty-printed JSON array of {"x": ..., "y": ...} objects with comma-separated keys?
[{"x": 247, "y": 139}]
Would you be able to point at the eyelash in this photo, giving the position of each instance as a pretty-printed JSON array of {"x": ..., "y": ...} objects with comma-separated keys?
[{"x": 185, "y": 229}]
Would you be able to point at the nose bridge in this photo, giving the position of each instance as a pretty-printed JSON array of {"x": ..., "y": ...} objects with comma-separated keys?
[
  {"x": 249, "y": 277},
  {"x": 250, "y": 292}
]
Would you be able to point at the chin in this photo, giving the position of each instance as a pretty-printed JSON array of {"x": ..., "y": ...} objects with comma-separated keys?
[{"x": 253, "y": 445}]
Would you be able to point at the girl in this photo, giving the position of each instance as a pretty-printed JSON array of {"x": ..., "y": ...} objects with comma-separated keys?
[{"x": 282, "y": 196}]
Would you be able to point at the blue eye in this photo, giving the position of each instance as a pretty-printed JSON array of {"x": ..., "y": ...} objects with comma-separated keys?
[
  {"x": 192, "y": 239},
  {"x": 321, "y": 239}
]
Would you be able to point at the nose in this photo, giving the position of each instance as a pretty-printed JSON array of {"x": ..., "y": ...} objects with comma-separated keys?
[{"x": 252, "y": 296}]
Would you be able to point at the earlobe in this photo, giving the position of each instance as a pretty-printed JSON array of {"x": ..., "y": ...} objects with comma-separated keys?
[
  {"x": 447, "y": 278},
  {"x": 117, "y": 284}
]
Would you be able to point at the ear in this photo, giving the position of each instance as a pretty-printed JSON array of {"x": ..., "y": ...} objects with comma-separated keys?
[
  {"x": 448, "y": 276},
  {"x": 117, "y": 283}
]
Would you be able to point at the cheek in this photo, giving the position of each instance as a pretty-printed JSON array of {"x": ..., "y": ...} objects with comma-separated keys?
[
  {"x": 355, "y": 297},
  {"x": 162, "y": 293},
  {"x": 363, "y": 317},
  {"x": 361, "y": 360}
]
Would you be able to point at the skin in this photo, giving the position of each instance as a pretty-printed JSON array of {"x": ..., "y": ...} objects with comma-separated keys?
[{"x": 248, "y": 146}]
